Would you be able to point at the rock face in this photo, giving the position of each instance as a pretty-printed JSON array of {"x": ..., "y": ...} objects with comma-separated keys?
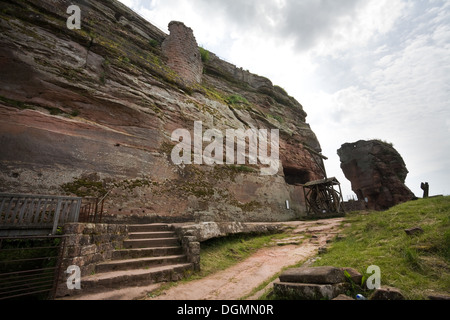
[
  {"x": 377, "y": 173},
  {"x": 90, "y": 112}
]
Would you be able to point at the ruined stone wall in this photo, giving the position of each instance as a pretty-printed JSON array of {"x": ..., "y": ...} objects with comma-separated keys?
[
  {"x": 215, "y": 64},
  {"x": 88, "y": 245},
  {"x": 353, "y": 205},
  {"x": 182, "y": 53}
]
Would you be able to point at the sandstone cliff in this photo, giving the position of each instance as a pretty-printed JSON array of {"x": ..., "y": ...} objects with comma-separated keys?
[
  {"x": 377, "y": 172},
  {"x": 90, "y": 112}
]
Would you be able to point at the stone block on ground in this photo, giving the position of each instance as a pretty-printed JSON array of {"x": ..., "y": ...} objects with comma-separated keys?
[
  {"x": 309, "y": 291},
  {"x": 316, "y": 275},
  {"x": 343, "y": 297},
  {"x": 414, "y": 231},
  {"x": 387, "y": 293},
  {"x": 355, "y": 276},
  {"x": 439, "y": 297}
]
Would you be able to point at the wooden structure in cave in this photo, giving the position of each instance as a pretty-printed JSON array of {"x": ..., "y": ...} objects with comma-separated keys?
[{"x": 323, "y": 197}]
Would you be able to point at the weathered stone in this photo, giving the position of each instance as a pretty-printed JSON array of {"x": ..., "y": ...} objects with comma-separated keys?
[
  {"x": 343, "y": 297},
  {"x": 354, "y": 274},
  {"x": 88, "y": 250},
  {"x": 309, "y": 291},
  {"x": 73, "y": 240},
  {"x": 85, "y": 240},
  {"x": 204, "y": 231},
  {"x": 387, "y": 293},
  {"x": 73, "y": 228},
  {"x": 183, "y": 55},
  {"x": 194, "y": 248},
  {"x": 316, "y": 275},
  {"x": 322, "y": 250},
  {"x": 439, "y": 297},
  {"x": 414, "y": 231},
  {"x": 109, "y": 104},
  {"x": 89, "y": 228},
  {"x": 100, "y": 228},
  {"x": 100, "y": 238},
  {"x": 377, "y": 173}
]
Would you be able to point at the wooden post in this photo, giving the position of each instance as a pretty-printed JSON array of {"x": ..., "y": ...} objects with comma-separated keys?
[{"x": 56, "y": 217}]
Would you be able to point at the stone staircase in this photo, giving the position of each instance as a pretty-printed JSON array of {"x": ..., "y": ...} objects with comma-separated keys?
[{"x": 151, "y": 254}]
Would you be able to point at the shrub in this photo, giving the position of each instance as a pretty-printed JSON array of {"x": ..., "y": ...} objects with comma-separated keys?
[
  {"x": 237, "y": 100},
  {"x": 204, "y": 54}
]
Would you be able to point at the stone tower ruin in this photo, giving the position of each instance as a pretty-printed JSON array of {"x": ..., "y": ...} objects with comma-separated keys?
[{"x": 182, "y": 53}]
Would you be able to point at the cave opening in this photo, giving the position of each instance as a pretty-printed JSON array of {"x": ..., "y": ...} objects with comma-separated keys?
[{"x": 296, "y": 176}]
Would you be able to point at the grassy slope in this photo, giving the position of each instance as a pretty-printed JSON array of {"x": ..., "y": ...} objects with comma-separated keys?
[{"x": 418, "y": 265}]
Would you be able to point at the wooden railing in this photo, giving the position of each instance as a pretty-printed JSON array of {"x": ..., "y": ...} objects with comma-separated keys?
[{"x": 35, "y": 212}]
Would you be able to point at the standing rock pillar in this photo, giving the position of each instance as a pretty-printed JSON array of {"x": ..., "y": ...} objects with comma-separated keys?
[{"x": 182, "y": 53}]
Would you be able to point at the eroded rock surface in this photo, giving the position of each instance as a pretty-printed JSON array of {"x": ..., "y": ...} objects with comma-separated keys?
[
  {"x": 377, "y": 173},
  {"x": 90, "y": 112}
]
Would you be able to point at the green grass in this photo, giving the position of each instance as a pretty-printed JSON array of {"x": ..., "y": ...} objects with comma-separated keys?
[
  {"x": 417, "y": 265},
  {"x": 276, "y": 117},
  {"x": 204, "y": 54},
  {"x": 237, "y": 100}
]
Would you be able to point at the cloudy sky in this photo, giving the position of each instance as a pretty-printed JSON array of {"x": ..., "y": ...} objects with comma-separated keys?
[{"x": 362, "y": 69}]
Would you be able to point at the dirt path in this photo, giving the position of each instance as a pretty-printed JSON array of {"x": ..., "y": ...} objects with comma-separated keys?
[{"x": 241, "y": 279}]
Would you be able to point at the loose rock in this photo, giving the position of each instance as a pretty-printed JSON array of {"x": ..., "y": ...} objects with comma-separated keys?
[
  {"x": 355, "y": 276},
  {"x": 387, "y": 293},
  {"x": 439, "y": 297},
  {"x": 343, "y": 297},
  {"x": 309, "y": 291},
  {"x": 316, "y": 275},
  {"x": 414, "y": 231}
]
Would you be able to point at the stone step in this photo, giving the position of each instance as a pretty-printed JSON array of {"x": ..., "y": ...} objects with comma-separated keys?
[
  {"x": 309, "y": 291},
  {"x": 128, "y": 278},
  {"x": 157, "y": 227},
  {"x": 146, "y": 252},
  {"x": 151, "y": 235},
  {"x": 150, "y": 243},
  {"x": 140, "y": 263}
]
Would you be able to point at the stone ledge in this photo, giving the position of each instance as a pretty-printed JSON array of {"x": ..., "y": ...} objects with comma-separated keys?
[
  {"x": 317, "y": 275},
  {"x": 209, "y": 230},
  {"x": 309, "y": 291}
]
